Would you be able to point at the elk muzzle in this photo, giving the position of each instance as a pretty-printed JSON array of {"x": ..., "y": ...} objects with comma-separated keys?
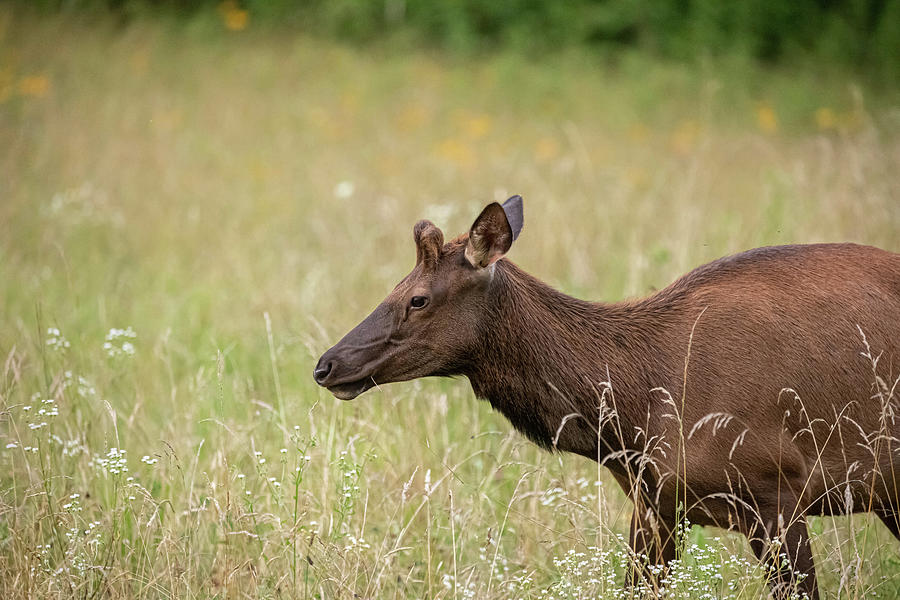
[
  {"x": 331, "y": 372},
  {"x": 348, "y": 368}
]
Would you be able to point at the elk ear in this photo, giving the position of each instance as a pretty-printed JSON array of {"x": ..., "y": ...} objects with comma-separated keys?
[
  {"x": 429, "y": 243},
  {"x": 494, "y": 231}
]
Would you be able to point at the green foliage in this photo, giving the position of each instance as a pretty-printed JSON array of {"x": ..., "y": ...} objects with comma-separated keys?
[{"x": 857, "y": 33}]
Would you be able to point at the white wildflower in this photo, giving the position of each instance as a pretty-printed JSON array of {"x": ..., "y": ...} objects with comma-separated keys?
[
  {"x": 344, "y": 190},
  {"x": 119, "y": 342},
  {"x": 56, "y": 340}
]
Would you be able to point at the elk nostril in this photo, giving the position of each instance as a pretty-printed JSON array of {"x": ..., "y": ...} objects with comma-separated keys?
[{"x": 322, "y": 371}]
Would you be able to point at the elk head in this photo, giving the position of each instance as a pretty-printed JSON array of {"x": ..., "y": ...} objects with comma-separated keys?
[{"x": 430, "y": 323}]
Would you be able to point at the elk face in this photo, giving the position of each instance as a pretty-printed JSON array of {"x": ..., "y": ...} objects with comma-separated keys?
[{"x": 430, "y": 323}]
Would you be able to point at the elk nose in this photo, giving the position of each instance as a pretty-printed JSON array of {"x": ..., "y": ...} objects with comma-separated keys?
[{"x": 322, "y": 370}]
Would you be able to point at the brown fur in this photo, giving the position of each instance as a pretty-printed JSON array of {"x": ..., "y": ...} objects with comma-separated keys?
[{"x": 740, "y": 392}]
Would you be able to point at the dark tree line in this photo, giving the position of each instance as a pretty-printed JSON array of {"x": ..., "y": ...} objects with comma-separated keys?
[{"x": 854, "y": 33}]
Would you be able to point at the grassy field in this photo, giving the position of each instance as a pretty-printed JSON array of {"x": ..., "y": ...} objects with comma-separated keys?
[{"x": 190, "y": 215}]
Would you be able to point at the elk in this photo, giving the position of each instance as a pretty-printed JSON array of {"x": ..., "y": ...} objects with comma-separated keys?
[{"x": 751, "y": 392}]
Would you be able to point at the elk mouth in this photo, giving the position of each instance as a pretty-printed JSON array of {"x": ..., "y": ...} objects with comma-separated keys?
[
  {"x": 351, "y": 389},
  {"x": 345, "y": 383}
]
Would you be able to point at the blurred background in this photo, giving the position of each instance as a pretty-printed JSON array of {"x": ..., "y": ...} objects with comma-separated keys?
[{"x": 198, "y": 198}]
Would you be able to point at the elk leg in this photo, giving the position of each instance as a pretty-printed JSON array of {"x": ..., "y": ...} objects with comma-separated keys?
[
  {"x": 653, "y": 543},
  {"x": 784, "y": 578}
]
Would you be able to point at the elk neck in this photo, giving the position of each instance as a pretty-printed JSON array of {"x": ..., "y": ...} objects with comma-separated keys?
[{"x": 546, "y": 358}]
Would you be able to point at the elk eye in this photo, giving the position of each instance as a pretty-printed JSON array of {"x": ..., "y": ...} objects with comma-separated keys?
[{"x": 418, "y": 301}]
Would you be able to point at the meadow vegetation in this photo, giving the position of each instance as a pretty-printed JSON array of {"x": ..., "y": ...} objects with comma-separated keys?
[{"x": 189, "y": 217}]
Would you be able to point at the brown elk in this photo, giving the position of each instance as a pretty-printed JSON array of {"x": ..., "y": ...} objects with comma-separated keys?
[{"x": 749, "y": 393}]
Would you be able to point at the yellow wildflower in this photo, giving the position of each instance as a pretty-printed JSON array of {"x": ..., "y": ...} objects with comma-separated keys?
[
  {"x": 684, "y": 138},
  {"x": 234, "y": 17},
  {"x": 638, "y": 132},
  {"x": 456, "y": 152},
  {"x": 825, "y": 118},
  {"x": 546, "y": 149},
  {"x": 412, "y": 117},
  {"x": 766, "y": 118},
  {"x": 636, "y": 177},
  {"x": 477, "y": 126},
  {"x": 36, "y": 86}
]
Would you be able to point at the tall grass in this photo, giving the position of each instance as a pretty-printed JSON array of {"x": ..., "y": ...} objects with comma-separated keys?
[{"x": 188, "y": 219}]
